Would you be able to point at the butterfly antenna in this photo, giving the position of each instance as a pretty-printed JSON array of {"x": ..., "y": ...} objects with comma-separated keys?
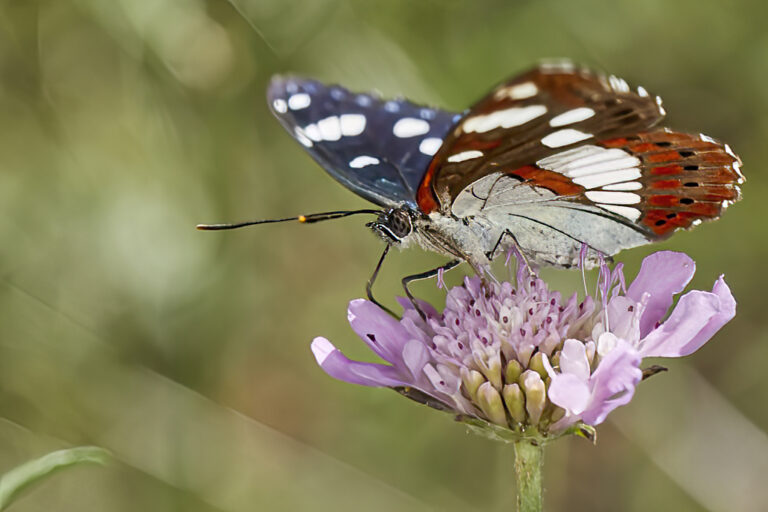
[{"x": 304, "y": 219}]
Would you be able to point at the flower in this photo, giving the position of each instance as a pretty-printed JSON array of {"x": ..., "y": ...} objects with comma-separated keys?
[{"x": 520, "y": 360}]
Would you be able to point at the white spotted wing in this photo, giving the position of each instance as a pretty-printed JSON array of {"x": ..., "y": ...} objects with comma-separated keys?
[{"x": 377, "y": 148}]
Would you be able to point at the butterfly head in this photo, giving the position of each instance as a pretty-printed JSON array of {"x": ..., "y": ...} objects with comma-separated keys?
[{"x": 393, "y": 225}]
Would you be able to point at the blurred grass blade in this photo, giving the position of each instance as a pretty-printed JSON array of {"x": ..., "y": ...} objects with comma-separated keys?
[{"x": 17, "y": 479}]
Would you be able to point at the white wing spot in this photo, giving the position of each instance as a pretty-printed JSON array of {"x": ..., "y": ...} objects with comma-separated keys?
[
  {"x": 625, "y": 211},
  {"x": 598, "y": 196},
  {"x": 465, "y": 155},
  {"x": 301, "y": 137},
  {"x": 641, "y": 91},
  {"x": 299, "y": 101},
  {"x": 430, "y": 145},
  {"x": 352, "y": 124},
  {"x": 571, "y": 116},
  {"x": 280, "y": 106},
  {"x": 506, "y": 118},
  {"x": 313, "y": 132},
  {"x": 363, "y": 161},
  {"x": 517, "y": 91},
  {"x": 329, "y": 128},
  {"x": 618, "y": 84},
  {"x": 557, "y": 66},
  {"x": 629, "y": 185},
  {"x": 564, "y": 137},
  {"x": 588, "y": 159},
  {"x": 607, "y": 178},
  {"x": 392, "y": 106},
  {"x": 410, "y": 127}
]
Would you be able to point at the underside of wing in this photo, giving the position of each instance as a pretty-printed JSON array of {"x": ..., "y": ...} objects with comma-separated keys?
[
  {"x": 377, "y": 148},
  {"x": 611, "y": 195}
]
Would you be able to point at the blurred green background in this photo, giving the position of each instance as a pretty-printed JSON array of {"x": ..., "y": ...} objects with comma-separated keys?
[{"x": 124, "y": 123}]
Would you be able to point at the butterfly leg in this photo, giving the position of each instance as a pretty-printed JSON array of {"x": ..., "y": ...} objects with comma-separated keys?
[
  {"x": 425, "y": 275},
  {"x": 369, "y": 285},
  {"x": 492, "y": 254}
]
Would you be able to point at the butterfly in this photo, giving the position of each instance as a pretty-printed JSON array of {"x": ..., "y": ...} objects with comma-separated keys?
[{"x": 562, "y": 163}]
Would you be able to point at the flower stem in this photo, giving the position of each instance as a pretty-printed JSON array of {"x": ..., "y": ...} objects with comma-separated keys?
[{"x": 528, "y": 463}]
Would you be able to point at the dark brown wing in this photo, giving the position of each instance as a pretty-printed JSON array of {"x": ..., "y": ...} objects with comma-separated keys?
[{"x": 539, "y": 113}]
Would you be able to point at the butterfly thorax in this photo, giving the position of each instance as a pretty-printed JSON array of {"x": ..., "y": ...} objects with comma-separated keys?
[{"x": 471, "y": 240}]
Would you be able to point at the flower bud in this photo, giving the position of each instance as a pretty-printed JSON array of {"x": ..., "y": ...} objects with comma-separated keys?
[
  {"x": 513, "y": 371},
  {"x": 537, "y": 364},
  {"x": 513, "y": 397},
  {"x": 472, "y": 380},
  {"x": 489, "y": 401},
  {"x": 535, "y": 395},
  {"x": 494, "y": 371}
]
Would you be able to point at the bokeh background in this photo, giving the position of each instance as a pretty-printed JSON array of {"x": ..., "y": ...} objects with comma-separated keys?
[{"x": 124, "y": 123}]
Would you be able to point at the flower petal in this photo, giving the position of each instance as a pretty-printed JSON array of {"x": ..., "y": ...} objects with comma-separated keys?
[
  {"x": 338, "y": 366},
  {"x": 693, "y": 312},
  {"x": 613, "y": 383},
  {"x": 415, "y": 356},
  {"x": 569, "y": 392},
  {"x": 623, "y": 318},
  {"x": 662, "y": 275},
  {"x": 696, "y": 318},
  {"x": 725, "y": 313},
  {"x": 382, "y": 333},
  {"x": 573, "y": 359},
  {"x": 425, "y": 306}
]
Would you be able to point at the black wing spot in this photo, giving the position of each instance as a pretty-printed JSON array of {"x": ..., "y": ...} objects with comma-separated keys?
[
  {"x": 671, "y": 215},
  {"x": 686, "y": 200},
  {"x": 664, "y": 144},
  {"x": 691, "y": 167},
  {"x": 686, "y": 154},
  {"x": 661, "y": 222},
  {"x": 691, "y": 184}
]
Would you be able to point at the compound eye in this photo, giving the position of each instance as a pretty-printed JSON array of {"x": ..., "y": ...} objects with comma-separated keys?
[{"x": 400, "y": 224}]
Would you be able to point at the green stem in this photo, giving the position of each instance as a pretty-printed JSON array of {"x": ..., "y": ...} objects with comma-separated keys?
[{"x": 528, "y": 463}]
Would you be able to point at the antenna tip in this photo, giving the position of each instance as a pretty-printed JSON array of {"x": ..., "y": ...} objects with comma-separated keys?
[
  {"x": 203, "y": 227},
  {"x": 302, "y": 218}
]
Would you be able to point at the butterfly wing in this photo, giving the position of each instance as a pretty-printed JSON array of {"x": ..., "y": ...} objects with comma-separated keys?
[
  {"x": 561, "y": 157},
  {"x": 379, "y": 149}
]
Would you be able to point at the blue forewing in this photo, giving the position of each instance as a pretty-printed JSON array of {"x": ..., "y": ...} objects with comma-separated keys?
[{"x": 379, "y": 149}]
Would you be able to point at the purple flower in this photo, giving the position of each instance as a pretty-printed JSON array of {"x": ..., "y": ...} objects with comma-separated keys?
[{"x": 519, "y": 357}]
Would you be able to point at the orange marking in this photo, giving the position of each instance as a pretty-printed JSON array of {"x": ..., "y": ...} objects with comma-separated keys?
[
  {"x": 614, "y": 143},
  {"x": 425, "y": 196},
  {"x": 663, "y": 200},
  {"x": 553, "y": 181},
  {"x": 667, "y": 156},
  {"x": 663, "y": 184},
  {"x": 643, "y": 147},
  {"x": 666, "y": 169}
]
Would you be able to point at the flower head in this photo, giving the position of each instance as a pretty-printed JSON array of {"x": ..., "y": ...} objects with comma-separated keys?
[{"x": 521, "y": 360}]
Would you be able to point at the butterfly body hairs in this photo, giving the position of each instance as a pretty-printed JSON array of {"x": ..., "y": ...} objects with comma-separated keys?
[{"x": 560, "y": 162}]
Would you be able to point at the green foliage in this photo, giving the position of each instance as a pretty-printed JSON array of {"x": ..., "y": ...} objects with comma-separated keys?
[{"x": 21, "y": 478}]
